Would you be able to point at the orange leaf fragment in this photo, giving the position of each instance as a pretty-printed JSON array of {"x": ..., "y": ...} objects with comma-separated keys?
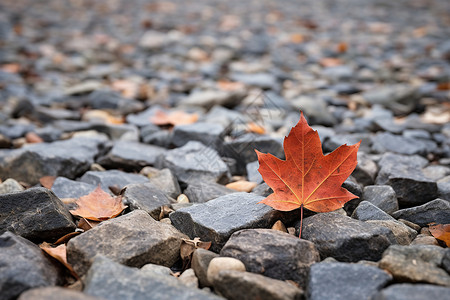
[
  {"x": 441, "y": 232},
  {"x": 47, "y": 181},
  {"x": 330, "y": 62},
  {"x": 98, "y": 205},
  {"x": 255, "y": 128},
  {"x": 173, "y": 118},
  {"x": 60, "y": 254}
]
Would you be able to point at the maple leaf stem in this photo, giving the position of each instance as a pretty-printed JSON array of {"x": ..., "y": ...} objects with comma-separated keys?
[{"x": 301, "y": 221}]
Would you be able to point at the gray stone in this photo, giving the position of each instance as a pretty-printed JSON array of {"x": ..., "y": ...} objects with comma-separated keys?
[
  {"x": 201, "y": 192},
  {"x": 346, "y": 239},
  {"x": 253, "y": 174},
  {"x": 66, "y": 188},
  {"x": 209, "y": 98},
  {"x": 262, "y": 189},
  {"x": 154, "y": 40},
  {"x": 210, "y": 134},
  {"x": 425, "y": 239},
  {"x": 273, "y": 253},
  {"x": 261, "y": 80},
  {"x": 35, "y": 214},
  {"x": 200, "y": 263},
  {"x": 157, "y": 270},
  {"x": 188, "y": 278},
  {"x": 233, "y": 285},
  {"x": 134, "y": 239},
  {"x": 111, "y": 280},
  {"x": 131, "y": 156},
  {"x": 145, "y": 196},
  {"x": 415, "y": 263},
  {"x": 55, "y": 293},
  {"x": 195, "y": 162},
  {"x": 345, "y": 281},
  {"x": 118, "y": 132},
  {"x": 446, "y": 260},
  {"x": 109, "y": 178},
  {"x": 108, "y": 99},
  {"x": 367, "y": 211},
  {"x": 434, "y": 211},
  {"x": 382, "y": 196},
  {"x": 350, "y": 139},
  {"x": 366, "y": 170},
  {"x": 142, "y": 118},
  {"x": 404, "y": 235},
  {"x": 158, "y": 137},
  {"x": 165, "y": 181},
  {"x": 443, "y": 186},
  {"x": 401, "y": 99},
  {"x": 10, "y": 186},
  {"x": 217, "y": 219},
  {"x": 34, "y": 161},
  {"x": 339, "y": 73},
  {"x": 315, "y": 110},
  {"x": 388, "y": 142},
  {"x": 23, "y": 266},
  {"x": 407, "y": 291}
]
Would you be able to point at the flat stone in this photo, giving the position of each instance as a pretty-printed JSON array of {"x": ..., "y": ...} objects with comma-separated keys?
[
  {"x": 209, "y": 98},
  {"x": 146, "y": 197},
  {"x": 434, "y": 211},
  {"x": 134, "y": 239},
  {"x": 382, "y": 196},
  {"x": 416, "y": 264},
  {"x": 109, "y": 178},
  {"x": 131, "y": 155},
  {"x": 154, "y": 40},
  {"x": 108, "y": 99},
  {"x": 195, "y": 162},
  {"x": 55, "y": 293},
  {"x": 67, "y": 188},
  {"x": 201, "y": 192},
  {"x": 315, "y": 110},
  {"x": 234, "y": 284},
  {"x": 118, "y": 132},
  {"x": 388, "y": 142},
  {"x": 407, "y": 291},
  {"x": 220, "y": 263},
  {"x": 401, "y": 99},
  {"x": 23, "y": 266},
  {"x": 424, "y": 239},
  {"x": 10, "y": 186},
  {"x": 366, "y": 170},
  {"x": 142, "y": 118},
  {"x": 345, "y": 281},
  {"x": 165, "y": 181},
  {"x": 404, "y": 235},
  {"x": 346, "y": 239},
  {"x": 110, "y": 280},
  {"x": 217, "y": 219},
  {"x": 436, "y": 172},
  {"x": 253, "y": 174},
  {"x": 350, "y": 139},
  {"x": 188, "y": 278},
  {"x": 210, "y": 134},
  {"x": 35, "y": 214},
  {"x": 34, "y": 161},
  {"x": 200, "y": 263},
  {"x": 261, "y": 80},
  {"x": 367, "y": 211},
  {"x": 273, "y": 253}
]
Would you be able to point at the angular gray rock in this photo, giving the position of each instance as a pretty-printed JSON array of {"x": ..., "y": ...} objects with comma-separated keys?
[
  {"x": 367, "y": 211},
  {"x": 235, "y": 285},
  {"x": 403, "y": 234},
  {"x": 195, "y": 162},
  {"x": 35, "y": 214},
  {"x": 109, "y": 178},
  {"x": 10, "y": 186},
  {"x": 55, "y": 293},
  {"x": 23, "y": 266},
  {"x": 164, "y": 180},
  {"x": 390, "y": 162},
  {"x": 346, "y": 239},
  {"x": 366, "y": 169},
  {"x": 444, "y": 188},
  {"x": 145, "y": 196},
  {"x": 111, "y": 280},
  {"x": 416, "y": 264},
  {"x": 200, "y": 263},
  {"x": 34, "y": 161},
  {"x": 67, "y": 188},
  {"x": 131, "y": 155},
  {"x": 209, "y": 98},
  {"x": 217, "y": 219},
  {"x": 134, "y": 239},
  {"x": 209, "y": 134},
  {"x": 201, "y": 192},
  {"x": 253, "y": 174},
  {"x": 345, "y": 281},
  {"x": 388, "y": 142},
  {"x": 382, "y": 196},
  {"x": 401, "y": 99},
  {"x": 408, "y": 291},
  {"x": 434, "y": 211},
  {"x": 273, "y": 254}
]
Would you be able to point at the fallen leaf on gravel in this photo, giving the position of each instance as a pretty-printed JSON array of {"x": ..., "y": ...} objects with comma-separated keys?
[
  {"x": 242, "y": 186},
  {"x": 66, "y": 238},
  {"x": 86, "y": 225},
  {"x": 188, "y": 247},
  {"x": 307, "y": 178},
  {"x": 255, "y": 128},
  {"x": 47, "y": 181},
  {"x": 60, "y": 254},
  {"x": 173, "y": 118},
  {"x": 441, "y": 232},
  {"x": 98, "y": 206},
  {"x": 102, "y": 116}
]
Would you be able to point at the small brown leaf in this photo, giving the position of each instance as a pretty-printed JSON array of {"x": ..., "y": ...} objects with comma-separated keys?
[
  {"x": 47, "y": 181},
  {"x": 188, "y": 247},
  {"x": 242, "y": 186},
  {"x": 441, "y": 232},
  {"x": 86, "y": 225},
  {"x": 162, "y": 118},
  {"x": 255, "y": 128},
  {"x": 66, "y": 238},
  {"x": 59, "y": 253},
  {"x": 165, "y": 211}
]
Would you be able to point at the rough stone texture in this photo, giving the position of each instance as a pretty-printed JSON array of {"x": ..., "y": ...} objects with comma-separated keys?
[
  {"x": 446, "y": 260},
  {"x": 189, "y": 279},
  {"x": 34, "y": 161},
  {"x": 253, "y": 174},
  {"x": 23, "y": 266},
  {"x": 444, "y": 188},
  {"x": 131, "y": 155},
  {"x": 235, "y": 285},
  {"x": 415, "y": 263},
  {"x": 35, "y": 214},
  {"x": 67, "y": 188},
  {"x": 145, "y": 196},
  {"x": 434, "y": 211},
  {"x": 424, "y": 239},
  {"x": 407, "y": 291},
  {"x": 110, "y": 280},
  {"x": 210, "y": 134},
  {"x": 201, "y": 192},
  {"x": 346, "y": 239},
  {"x": 55, "y": 293},
  {"x": 217, "y": 219},
  {"x": 388, "y": 142},
  {"x": 220, "y": 263},
  {"x": 382, "y": 196},
  {"x": 367, "y": 211},
  {"x": 109, "y": 178},
  {"x": 273, "y": 254},
  {"x": 10, "y": 186},
  {"x": 366, "y": 169},
  {"x": 200, "y": 263},
  {"x": 165, "y": 181},
  {"x": 345, "y": 281},
  {"x": 134, "y": 239},
  {"x": 195, "y": 162},
  {"x": 404, "y": 235}
]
